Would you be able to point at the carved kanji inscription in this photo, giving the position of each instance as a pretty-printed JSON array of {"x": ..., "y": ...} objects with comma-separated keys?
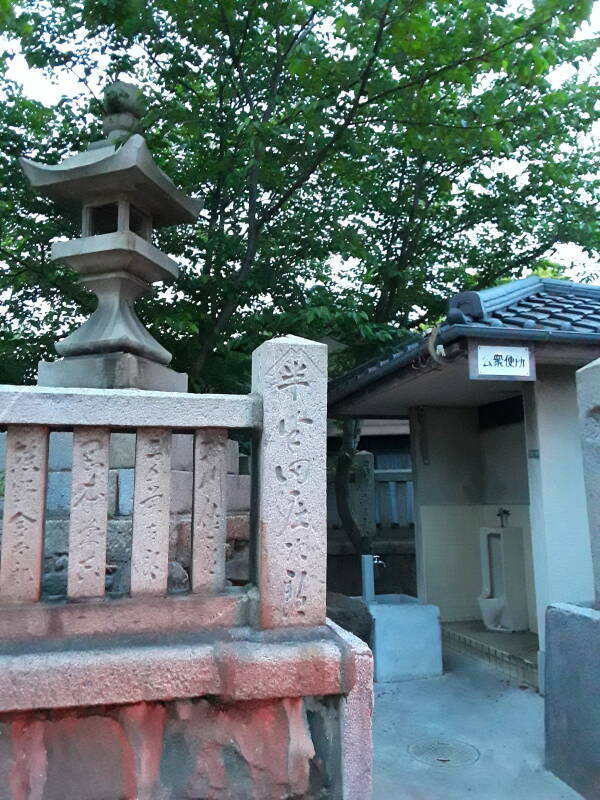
[
  {"x": 209, "y": 511},
  {"x": 89, "y": 512},
  {"x": 24, "y": 500},
  {"x": 151, "y": 503},
  {"x": 290, "y": 374}
]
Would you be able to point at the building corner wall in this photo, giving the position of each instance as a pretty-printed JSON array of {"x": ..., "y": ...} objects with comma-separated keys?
[{"x": 559, "y": 524}]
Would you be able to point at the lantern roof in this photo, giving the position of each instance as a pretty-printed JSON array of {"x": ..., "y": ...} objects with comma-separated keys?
[{"x": 106, "y": 170}]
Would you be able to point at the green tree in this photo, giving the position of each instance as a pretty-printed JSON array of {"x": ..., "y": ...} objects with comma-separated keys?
[{"x": 294, "y": 120}]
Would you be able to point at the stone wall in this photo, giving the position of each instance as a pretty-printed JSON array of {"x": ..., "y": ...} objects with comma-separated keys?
[{"x": 192, "y": 749}]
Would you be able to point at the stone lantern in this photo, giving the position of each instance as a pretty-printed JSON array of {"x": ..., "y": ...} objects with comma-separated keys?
[{"x": 124, "y": 197}]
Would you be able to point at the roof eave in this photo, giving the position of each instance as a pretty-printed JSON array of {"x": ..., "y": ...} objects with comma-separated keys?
[{"x": 454, "y": 333}]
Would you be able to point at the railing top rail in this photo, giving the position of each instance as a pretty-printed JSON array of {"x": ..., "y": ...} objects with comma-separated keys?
[
  {"x": 126, "y": 408},
  {"x": 393, "y": 475}
]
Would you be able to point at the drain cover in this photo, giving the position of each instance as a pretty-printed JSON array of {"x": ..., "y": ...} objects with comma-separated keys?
[{"x": 444, "y": 753}]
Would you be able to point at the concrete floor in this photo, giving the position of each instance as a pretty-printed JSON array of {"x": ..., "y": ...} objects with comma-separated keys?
[{"x": 470, "y": 704}]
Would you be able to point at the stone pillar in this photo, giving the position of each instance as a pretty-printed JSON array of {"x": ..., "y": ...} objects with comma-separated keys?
[
  {"x": 588, "y": 395},
  {"x": 559, "y": 526},
  {"x": 291, "y": 376},
  {"x": 362, "y": 492},
  {"x": 573, "y": 629}
]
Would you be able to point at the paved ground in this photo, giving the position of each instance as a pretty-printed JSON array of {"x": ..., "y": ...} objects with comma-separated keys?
[{"x": 469, "y": 705}]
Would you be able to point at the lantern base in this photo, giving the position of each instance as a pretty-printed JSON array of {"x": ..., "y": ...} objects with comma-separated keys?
[{"x": 111, "y": 371}]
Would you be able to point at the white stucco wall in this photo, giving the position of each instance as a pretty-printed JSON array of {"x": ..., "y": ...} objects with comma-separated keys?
[
  {"x": 559, "y": 523},
  {"x": 470, "y": 475}
]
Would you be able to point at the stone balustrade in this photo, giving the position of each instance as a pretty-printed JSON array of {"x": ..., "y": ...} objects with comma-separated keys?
[{"x": 267, "y": 642}]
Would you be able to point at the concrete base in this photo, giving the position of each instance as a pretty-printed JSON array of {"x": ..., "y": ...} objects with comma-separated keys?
[
  {"x": 573, "y": 696},
  {"x": 111, "y": 371},
  {"x": 177, "y": 750},
  {"x": 407, "y": 638}
]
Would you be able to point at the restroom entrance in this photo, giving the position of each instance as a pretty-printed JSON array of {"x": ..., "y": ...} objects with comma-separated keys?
[{"x": 474, "y": 547}]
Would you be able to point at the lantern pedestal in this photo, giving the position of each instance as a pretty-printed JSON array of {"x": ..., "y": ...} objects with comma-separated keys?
[{"x": 111, "y": 371}]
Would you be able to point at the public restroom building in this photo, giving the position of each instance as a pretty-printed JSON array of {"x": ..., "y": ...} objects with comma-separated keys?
[{"x": 501, "y": 527}]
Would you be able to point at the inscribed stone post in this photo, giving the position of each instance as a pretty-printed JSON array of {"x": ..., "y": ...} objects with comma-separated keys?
[
  {"x": 291, "y": 376},
  {"x": 23, "y": 529}
]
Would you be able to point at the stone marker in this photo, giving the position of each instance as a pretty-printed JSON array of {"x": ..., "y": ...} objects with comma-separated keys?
[{"x": 291, "y": 375}]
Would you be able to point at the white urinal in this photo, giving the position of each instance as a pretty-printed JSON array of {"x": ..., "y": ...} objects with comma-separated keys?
[{"x": 503, "y": 599}]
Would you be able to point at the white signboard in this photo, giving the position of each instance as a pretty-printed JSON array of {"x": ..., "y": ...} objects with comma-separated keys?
[{"x": 501, "y": 362}]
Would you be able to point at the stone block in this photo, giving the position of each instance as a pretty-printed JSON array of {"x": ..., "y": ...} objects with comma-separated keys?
[
  {"x": 237, "y": 567},
  {"x": 182, "y": 452},
  {"x": 238, "y": 527},
  {"x": 362, "y": 492},
  {"x": 122, "y": 450},
  {"x": 58, "y": 493},
  {"x": 572, "y": 696},
  {"x": 60, "y": 451},
  {"x": 238, "y": 493},
  {"x": 2, "y": 450},
  {"x": 129, "y": 408},
  {"x": 350, "y": 613},
  {"x": 406, "y": 640},
  {"x": 181, "y": 491},
  {"x": 356, "y": 722},
  {"x": 126, "y": 482},
  {"x": 233, "y": 457}
]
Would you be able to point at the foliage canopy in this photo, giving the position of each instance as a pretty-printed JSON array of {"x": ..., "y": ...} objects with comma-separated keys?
[{"x": 359, "y": 161}]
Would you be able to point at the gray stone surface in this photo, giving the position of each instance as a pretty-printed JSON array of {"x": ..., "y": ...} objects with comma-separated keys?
[
  {"x": 114, "y": 326},
  {"x": 573, "y": 696},
  {"x": 588, "y": 398},
  {"x": 291, "y": 376},
  {"x": 239, "y": 667},
  {"x": 104, "y": 168},
  {"x": 128, "y": 408},
  {"x": 209, "y": 525},
  {"x": 407, "y": 639},
  {"x": 111, "y": 371}
]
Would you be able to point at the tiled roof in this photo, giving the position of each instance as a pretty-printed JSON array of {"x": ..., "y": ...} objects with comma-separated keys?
[
  {"x": 532, "y": 308},
  {"x": 541, "y": 303}
]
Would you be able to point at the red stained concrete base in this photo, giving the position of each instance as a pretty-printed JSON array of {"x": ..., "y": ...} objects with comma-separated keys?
[
  {"x": 262, "y": 716},
  {"x": 167, "y": 751}
]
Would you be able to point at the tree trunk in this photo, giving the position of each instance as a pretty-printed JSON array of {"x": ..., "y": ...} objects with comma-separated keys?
[{"x": 345, "y": 460}]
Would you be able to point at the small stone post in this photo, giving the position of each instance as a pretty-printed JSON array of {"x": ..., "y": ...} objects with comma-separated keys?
[
  {"x": 291, "y": 376},
  {"x": 362, "y": 492}
]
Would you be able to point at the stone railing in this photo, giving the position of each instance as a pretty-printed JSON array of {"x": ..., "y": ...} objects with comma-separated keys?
[{"x": 286, "y": 413}]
